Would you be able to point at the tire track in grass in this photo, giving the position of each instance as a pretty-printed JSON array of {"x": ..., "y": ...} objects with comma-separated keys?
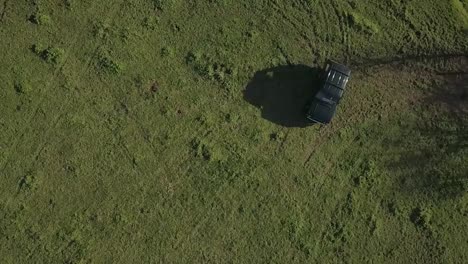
[
  {"x": 87, "y": 65},
  {"x": 128, "y": 155},
  {"x": 321, "y": 183},
  {"x": 41, "y": 98},
  {"x": 337, "y": 199},
  {"x": 59, "y": 114},
  {"x": 167, "y": 165},
  {"x": 327, "y": 9},
  {"x": 203, "y": 219},
  {"x": 318, "y": 189},
  {"x": 323, "y": 135},
  {"x": 281, "y": 145},
  {"x": 327, "y": 169},
  {"x": 201, "y": 131},
  {"x": 328, "y": 163},
  {"x": 323, "y": 7},
  {"x": 310, "y": 25},
  {"x": 156, "y": 154},
  {"x": 295, "y": 23},
  {"x": 344, "y": 29}
]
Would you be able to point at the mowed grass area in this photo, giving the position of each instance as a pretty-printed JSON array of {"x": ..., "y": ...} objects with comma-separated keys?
[{"x": 168, "y": 132}]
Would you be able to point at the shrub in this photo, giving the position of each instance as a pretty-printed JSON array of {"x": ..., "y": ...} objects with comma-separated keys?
[
  {"x": 40, "y": 19},
  {"x": 167, "y": 52},
  {"x": 362, "y": 23},
  {"x": 158, "y": 4},
  {"x": 150, "y": 22},
  {"x": 51, "y": 55},
  {"x": 162, "y": 5},
  {"x": 374, "y": 224},
  {"x": 108, "y": 65},
  {"x": 37, "y": 49},
  {"x": 278, "y": 136},
  {"x": 206, "y": 151},
  {"x": 102, "y": 31},
  {"x": 193, "y": 57},
  {"x": 231, "y": 117},
  {"x": 22, "y": 87},
  {"x": 68, "y": 3},
  {"x": 421, "y": 217},
  {"x": 28, "y": 182},
  {"x": 258, "y": 135},
  {"x": 210, "y": 69}
]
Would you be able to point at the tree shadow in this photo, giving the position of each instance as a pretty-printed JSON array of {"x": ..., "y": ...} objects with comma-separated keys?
[
  {"x": 434, "y": 165},
  {"x": 433, "y": 161},
  {"x": 453, "y": 93},
  {"x": 282, "y": 92}
]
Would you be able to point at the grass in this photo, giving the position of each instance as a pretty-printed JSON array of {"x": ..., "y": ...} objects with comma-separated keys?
[{"x": 170, "y": 131}]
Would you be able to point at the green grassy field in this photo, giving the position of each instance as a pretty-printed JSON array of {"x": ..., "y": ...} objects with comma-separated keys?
[{"x": 170, "y": 131}]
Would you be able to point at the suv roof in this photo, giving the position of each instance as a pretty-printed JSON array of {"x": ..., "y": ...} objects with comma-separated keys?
[
  {"x": 339, "y": 67},
  {"x": 323, "y": 106},
  {"x": 337, "y": 76}
]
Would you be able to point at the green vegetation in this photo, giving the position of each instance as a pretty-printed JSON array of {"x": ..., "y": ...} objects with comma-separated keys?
[
  {"x": 170, "y": 131},
  {"x": 40, "y": 19},
  {"x": 108, "y": 65},
  {"x": 363, "y": 24},
  {"x": 51, "y": 54}
]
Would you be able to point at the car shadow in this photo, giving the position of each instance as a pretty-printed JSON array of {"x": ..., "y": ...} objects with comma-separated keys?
[{"x": 282, "y": 92}]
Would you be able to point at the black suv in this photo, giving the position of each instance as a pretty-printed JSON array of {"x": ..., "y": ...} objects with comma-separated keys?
[{"x": 322, "y": 108}]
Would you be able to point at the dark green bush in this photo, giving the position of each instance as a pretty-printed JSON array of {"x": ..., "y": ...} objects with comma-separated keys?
[
  {"x": 162, "y": 5},
  {"x": 40, "y": 19},
  {"x": 209, "y": 68},
  {"x": 167, "y": 52},
  {"x": 363, "y": 24},
  {"x": 68, "y": 3},
  {"x": 421, "y": 217},
  {"x": 22, "y": 87},
  {"x": 108, "y": 65},
  {"x": 206, "y": 151},
  {"x": 51, "y": 55},
  {"x": 150, "y": 22}
]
